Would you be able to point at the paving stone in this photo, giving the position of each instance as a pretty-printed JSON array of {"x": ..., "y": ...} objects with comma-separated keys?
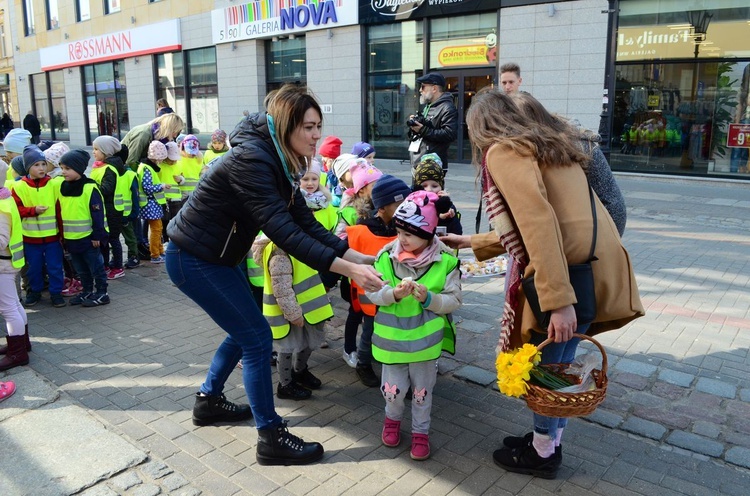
[
  {"x": 630, "y": 380},
  {"x": 739, "y": 456},
  {"x": 645, "y": 428},
  {"x": 716, "y": 387},
  {"x": 707, "y": 429},
  {"x": 174, "y": 482},
  {"x": 156, "y": 469},
  {"x": 476, "y": 375},
  {"x": 99, "y": 490},
  {"x": 745, "y": 394},
  {"x": 681, "y": 379},
  {"x": 605, "y": 418},
  {"x": 636, "y": 367},
  {"x": 146, "y": 490},
  {"x": 126, "y": 481},
  {"x": 698, "y": 444}
]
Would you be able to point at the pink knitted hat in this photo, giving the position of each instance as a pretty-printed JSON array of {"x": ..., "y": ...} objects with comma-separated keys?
[
  {"x": 362, "y": 174},
  {"x": 54, "y": 152},
  {"x": 173, "y": 151},
  {"x": 157, "y": 152},
  {"x": 417, "y": 214}
]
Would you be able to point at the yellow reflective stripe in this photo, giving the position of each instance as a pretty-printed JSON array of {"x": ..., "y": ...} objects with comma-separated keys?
[
  {"x": 254, "y": 272},
  {"x": 16, "y": 255},
  {"x": 79, "y": 228},
  {"x": 39, "y": 225}
]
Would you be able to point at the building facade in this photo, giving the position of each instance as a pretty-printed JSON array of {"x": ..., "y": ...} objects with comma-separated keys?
[{"x": 92, "y": 67}]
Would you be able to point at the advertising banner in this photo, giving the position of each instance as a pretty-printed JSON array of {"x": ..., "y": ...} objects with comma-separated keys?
[
  {"x": 268, "y": 18},
  {"x": 383, "y": 11},
  {"x": 153, "y": 38}
]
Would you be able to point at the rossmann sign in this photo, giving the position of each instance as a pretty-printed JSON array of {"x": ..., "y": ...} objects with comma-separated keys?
[
  {"x": 154, "y": 38},
  {"x": 268, "y": 18}
]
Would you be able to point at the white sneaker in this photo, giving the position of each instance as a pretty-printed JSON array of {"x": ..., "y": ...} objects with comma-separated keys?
[{"x": 350, "y": 358}]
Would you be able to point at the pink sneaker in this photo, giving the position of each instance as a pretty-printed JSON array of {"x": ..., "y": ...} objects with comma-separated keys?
[
  {"x": 420, "y": 446},
  {"x": 7, "y": 389},
  {"x": 391, "y": 433},
  {"x": 115, "y": 274},
  {"x": 72, "y": 288}
]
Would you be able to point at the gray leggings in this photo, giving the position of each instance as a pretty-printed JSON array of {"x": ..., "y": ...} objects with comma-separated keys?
[{"x": 421, "y": 378}]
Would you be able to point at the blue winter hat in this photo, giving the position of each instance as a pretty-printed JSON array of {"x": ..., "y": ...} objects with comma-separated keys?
[
  {"x": 31, "y": 155},
  {"x": 362, "y": 149},
  {"x": 77, "y": 160},
  {"x": 17, "y": 165},
  {"x": 389, "y": 189}
]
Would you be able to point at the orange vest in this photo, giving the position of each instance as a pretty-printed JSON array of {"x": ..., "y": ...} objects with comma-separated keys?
[{"x": 364, "y": 241}]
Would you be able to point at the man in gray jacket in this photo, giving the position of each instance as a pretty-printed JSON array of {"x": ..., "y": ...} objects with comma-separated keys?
[{"x": 436, "y": 127}]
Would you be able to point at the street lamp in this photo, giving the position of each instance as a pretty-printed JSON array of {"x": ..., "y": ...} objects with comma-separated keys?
[{"x": 699, "y": 20}]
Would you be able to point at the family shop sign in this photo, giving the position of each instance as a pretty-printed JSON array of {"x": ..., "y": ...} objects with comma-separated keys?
[{"x": 154, "y": 38}]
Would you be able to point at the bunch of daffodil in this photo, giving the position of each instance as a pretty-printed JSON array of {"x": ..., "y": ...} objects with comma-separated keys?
[{"x": 517, "y": 367}]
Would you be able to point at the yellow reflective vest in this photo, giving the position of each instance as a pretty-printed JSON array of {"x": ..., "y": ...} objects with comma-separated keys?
[
  {"x": 328, "y": 217},
  {"x": 308, "y": 290},
  {"x": 76, "y": 214},
  {"x": 191, "y": 171},
  {"x": 15, "y": 241},
  {"x": 254, "y": 272},
  {"x": 159, "y": 195},
  {"x": 406, "y": 332},
  {"x": 97, "y": 174},
  {"x": 44, "y": 224},
  {"x": 125, "y": 182},
  {"x": 166, "y": 174}
]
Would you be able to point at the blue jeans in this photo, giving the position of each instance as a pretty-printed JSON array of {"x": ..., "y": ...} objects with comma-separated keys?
[
  {"x": 48, "y": 255},
  {"x": 90, "y": 268},
  {"x": 224, "y": 294},
  {"x": 555, "y": 353}
]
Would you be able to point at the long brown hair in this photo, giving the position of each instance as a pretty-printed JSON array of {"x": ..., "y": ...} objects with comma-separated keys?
[
  {"x": 287, "y": 107},
  {"x": 494, "y": 118}
]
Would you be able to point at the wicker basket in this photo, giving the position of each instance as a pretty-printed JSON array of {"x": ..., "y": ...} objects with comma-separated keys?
[{"x": 551, "y": 403}]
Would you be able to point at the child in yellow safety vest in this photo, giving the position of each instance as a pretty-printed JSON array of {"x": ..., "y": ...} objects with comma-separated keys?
[
  {"x": 191, "y": 163},
  {"x": 151, "y": 191},
  {"x": 106, "y": 173},
  {"x": 369, "y": 236},
  {"x": 296, "y": 307},
  {"x": 84, "y": 228},
  {"x": 171, "y": 173},
  {"x": 216, "y": 149},
  {"x": 413, "y": 323},
  {"x": 37, "y": 201},
  {"x": 15, "y": 353}
]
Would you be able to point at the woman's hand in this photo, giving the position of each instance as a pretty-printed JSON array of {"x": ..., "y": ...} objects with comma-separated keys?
[
  {"x": 456, "y": 241},
  {"x": 358, "y": 258},
  {"x": 365, "y": 276},
  {"x": 562, "y": 324}
]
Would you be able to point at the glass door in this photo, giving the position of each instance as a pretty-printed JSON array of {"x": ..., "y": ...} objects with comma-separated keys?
[{"x": 463, "y": 85}]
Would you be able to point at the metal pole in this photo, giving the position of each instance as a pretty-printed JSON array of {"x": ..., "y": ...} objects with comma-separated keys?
[{"x": 606, "y": 119}]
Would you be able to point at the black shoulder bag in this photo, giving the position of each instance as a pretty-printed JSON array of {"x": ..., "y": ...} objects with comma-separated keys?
[{"x": 582, "y": 280}]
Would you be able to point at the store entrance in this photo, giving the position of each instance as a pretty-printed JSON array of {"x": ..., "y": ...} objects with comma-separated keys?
[{"x": 463, "y": 85}]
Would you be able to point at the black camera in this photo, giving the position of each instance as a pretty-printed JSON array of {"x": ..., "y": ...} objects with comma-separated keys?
[{"x": 418, "y": 119}]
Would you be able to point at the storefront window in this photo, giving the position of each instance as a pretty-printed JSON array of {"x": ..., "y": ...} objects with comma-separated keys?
[
  {"x": 106, "y": 100},
  {"x": 41, "y": 103},
  {"x": 204, "y": 93},
  {"x": 83, "y": 10},
  {"x": 394, "y": 63},
  {"x": 59, "y": 119},
  {"x": 53, "y": 15},
  {"x": 682, "y": 80},
  {"x": 195, "y": 98},
  {"x": 286, "y": 62},
  {"x": 28, "y": 18},
  {"x": 464, "y": 40}
]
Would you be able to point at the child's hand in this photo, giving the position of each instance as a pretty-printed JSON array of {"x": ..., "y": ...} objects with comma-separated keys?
[
  {"x": 177, "y": 179},
  {"x": 95, "y": 243},
  {"x": 448, "y": 215},
  {"x": 300, "y": 322},
  {"x": 166, "y": 186},
  {"x": 403, "y": 290},
  {"x": 420, "y": 292},
  {"x": 40, "y": 209},
  {"x": 442, "y": 192}
]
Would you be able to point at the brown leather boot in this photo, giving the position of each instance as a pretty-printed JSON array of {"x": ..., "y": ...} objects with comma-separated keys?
[
  {"x": 16, "y": 354},
  {"x": 4, "y": 348}
]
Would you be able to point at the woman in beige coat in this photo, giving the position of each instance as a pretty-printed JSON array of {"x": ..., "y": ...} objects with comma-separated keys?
[{"x": 537, "y": 199}]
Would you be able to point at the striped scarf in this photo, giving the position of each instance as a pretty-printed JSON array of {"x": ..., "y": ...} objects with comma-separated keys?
[{"x": 501, "y": 219}]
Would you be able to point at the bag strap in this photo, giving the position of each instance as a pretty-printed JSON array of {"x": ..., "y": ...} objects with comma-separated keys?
[{"x": 593, "y": 215}]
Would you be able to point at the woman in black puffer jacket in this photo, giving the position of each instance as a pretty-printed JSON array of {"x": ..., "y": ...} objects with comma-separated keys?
[{"x": 255, "y": 187}]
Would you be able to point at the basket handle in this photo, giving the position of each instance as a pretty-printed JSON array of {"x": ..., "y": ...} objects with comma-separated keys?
[{"x": 587, "y": 338}]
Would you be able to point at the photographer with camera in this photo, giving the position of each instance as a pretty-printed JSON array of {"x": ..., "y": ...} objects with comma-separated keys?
[{"x": 436, "y": 127}]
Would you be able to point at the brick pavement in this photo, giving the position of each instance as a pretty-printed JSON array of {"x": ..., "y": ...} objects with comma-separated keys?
[{"x": 674, "y": 421}]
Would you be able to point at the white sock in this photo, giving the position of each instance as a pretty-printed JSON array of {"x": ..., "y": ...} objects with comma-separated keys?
[
  {"x": 558, "y": 437},
  {"x": 544, "y": 445}
]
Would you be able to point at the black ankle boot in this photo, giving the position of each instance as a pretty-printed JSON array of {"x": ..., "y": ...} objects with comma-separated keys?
[
  {"x": 292, "y": 391},
  {"x": 305, "y": 379},
  {"x": 211, "y": 409},
  {"x": 277, "y": 446},
  {"x": 525, "y": 460}
]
